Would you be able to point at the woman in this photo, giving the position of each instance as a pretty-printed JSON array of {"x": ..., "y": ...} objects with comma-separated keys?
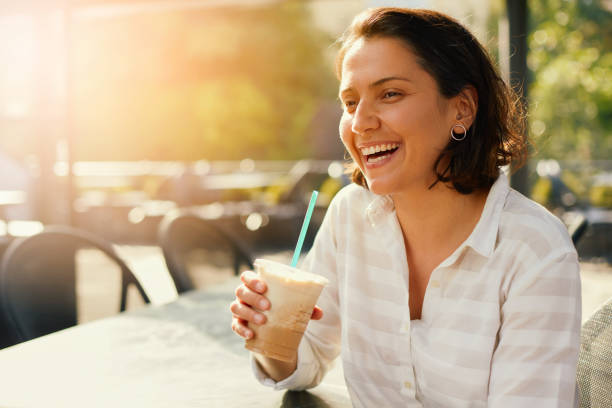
[{"x": 447, "y": 288}]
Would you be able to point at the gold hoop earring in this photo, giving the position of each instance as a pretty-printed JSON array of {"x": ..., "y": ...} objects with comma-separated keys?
[{"x": 461, "y": 136}]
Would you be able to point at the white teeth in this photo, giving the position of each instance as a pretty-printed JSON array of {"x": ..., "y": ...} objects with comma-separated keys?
[
  {"x": 377, "y": 159},
  {"x": 378, "y": 148}
]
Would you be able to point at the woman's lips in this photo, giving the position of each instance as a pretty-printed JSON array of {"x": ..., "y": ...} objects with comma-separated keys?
[{"x": 378, "y": 155}]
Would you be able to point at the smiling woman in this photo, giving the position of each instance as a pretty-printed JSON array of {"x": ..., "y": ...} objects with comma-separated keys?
[
  {"x": 390, "y": 100},
  {"x": 447, "y": 288},
  {"x": 446, "y": 58}
]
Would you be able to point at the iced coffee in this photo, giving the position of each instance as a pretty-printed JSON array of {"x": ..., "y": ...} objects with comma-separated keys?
[{"x": 293, "y": 294}]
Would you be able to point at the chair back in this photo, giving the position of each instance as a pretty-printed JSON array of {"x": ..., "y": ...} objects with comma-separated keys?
[
  {"x": 38, "y": 281},
  {"x": 183, "y": 234},
  {"x": 577, "y": 228},
  {"x": 594, "y": 373}
]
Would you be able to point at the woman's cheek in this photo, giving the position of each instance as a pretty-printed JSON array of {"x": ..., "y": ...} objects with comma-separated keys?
[
  {"x": 345, "y": 132},
  {"x": 348, "y": 139}
]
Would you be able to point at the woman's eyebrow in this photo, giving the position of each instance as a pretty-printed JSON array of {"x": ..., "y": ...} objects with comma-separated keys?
[
  {"x": 376, "y": 83},
  {"x": 386, "y": 79}
]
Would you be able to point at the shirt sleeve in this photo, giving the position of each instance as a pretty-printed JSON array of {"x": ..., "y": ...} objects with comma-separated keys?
[
  {"x": 321, "y": 342},
  {"x": 534, "y": 364}
]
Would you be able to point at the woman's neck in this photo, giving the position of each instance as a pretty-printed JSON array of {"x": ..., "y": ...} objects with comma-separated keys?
[{"x": 437, "y": 217}]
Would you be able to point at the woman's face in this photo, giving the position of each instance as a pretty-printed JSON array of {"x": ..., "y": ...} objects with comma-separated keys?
[{"x": 395, "y": 122}]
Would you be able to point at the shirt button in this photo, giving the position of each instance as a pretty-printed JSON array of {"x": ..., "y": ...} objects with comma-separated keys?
[
  {"x": 435, "y": 284},
  {"x": 408, "y": 384}
]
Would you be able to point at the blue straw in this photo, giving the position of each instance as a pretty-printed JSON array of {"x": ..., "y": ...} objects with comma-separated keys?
[{"x": 298, "y": 247}]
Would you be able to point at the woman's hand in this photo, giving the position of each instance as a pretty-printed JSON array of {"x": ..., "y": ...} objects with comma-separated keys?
[{"x": 250, "y": 296}]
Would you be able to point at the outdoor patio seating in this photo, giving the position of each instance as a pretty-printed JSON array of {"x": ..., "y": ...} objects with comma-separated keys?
[
  {"x": 38, "y": 281},
  {"x": 189, "y": 241},
  {"x": 595, "y": 360}
]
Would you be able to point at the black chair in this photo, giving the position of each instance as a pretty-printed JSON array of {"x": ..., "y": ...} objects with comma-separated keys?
[
  {"x": 577, "y": 228},
  {"x": 594, "y": 374},
  {"x": 186, "y": 238},
  {"x": 38, "y": 281}
]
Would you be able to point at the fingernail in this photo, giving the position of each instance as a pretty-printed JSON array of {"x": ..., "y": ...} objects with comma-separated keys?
[
  {"x": 248, "y": 334},
  {"x": 263, "y": 304},
  {"x": 259, "y": 319},
  {"x": 259, "y": 287}
]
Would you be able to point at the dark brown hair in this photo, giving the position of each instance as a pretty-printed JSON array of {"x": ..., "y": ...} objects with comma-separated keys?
[{"x": 455, "y": 59}]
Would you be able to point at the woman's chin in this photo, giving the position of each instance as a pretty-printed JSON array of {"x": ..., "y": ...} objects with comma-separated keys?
[{"x": 379, "y": 187}]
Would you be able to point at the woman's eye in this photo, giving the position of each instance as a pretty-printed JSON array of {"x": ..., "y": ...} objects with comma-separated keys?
[
  {"x": 390, "y": 94},
  {"x": 349, "y": 104}
]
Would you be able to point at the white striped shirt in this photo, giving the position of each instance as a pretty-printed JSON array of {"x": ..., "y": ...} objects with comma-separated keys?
[{"x": 500, "y": 324}]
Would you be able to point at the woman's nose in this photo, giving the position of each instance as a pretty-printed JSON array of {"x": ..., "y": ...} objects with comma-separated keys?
[{"x": 364, "y": 119}]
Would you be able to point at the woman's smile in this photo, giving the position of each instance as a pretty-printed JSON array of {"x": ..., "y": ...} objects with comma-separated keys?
[{"x": 378, "y": 154}]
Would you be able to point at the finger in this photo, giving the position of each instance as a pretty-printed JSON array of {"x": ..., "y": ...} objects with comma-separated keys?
[
  {"x": 317, "y": 313},
  {"x": 241, "y": 329},
  {"x": 251, "y": 298},
  {"x": 253, "y": 281},
  {"x": 245, "y": 312}
]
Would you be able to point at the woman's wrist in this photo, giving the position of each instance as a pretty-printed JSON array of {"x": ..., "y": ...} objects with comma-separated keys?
[{"x": 275, "y": 369}]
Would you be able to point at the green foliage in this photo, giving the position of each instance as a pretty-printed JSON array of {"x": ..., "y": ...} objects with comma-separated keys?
[
  {"x": 570, "y": 97},
  {"x": 541, "y": 191},
  {"x": 601, "y": 196},
  {"x": 220, "y": 83},
  {"x": 575, "y": 182}
]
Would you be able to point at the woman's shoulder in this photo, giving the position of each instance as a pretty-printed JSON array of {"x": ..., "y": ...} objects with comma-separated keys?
[
  {"x": 533, "y": 225},
  {"x": 535, "y": 251}
]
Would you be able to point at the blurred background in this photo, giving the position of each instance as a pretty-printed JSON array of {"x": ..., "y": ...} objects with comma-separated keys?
[{"x": 114, "y": 114}]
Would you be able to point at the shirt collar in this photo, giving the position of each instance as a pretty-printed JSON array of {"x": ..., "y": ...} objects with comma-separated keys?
[
  {"x": 378, "y": 208},
  {"x": 483, "y": 237}
]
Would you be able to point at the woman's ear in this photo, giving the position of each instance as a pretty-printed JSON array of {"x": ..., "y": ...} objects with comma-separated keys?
[{"x": 466, "y": 104}]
